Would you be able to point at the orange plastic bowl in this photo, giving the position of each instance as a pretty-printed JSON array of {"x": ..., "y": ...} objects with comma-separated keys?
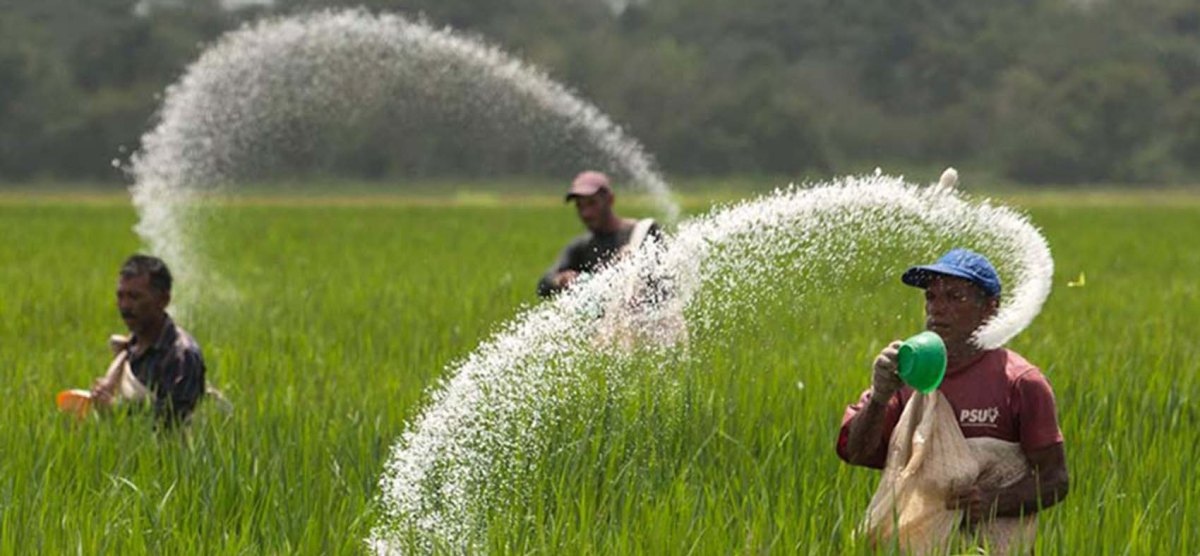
[{"x": 76, "y": 402}]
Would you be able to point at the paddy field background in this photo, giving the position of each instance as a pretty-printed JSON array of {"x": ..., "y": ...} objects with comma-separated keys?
[{"x": 348, "y": 308}]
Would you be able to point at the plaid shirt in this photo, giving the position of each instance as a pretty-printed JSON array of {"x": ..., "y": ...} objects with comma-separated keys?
[{"x": 173, "y": 370}]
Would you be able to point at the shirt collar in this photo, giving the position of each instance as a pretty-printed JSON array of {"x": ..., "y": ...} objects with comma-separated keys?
[
  {"x": 969, "y": 363},
  {"x": 166, "y": 337}
]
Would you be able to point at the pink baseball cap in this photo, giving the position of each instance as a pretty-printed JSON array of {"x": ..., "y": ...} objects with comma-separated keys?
[{"x": 587, "y": 184}]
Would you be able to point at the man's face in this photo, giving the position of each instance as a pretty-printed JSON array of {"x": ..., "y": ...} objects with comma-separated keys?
[
  {"x": 593, "y": 210},
  {"x": 140, "y": 303},
  {"x": 955, "y": 308}
]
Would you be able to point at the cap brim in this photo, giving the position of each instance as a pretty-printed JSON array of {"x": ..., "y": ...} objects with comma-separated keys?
[
  {"x": 919, "y": 276},
  {"x": 581, "y": 193}
]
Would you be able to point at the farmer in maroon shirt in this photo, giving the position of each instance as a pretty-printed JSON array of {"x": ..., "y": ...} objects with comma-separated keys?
[{"x": 994, "y": 393}]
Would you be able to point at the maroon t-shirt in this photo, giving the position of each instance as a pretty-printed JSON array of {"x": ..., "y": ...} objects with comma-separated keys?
[{"x": 998, "y": 394}]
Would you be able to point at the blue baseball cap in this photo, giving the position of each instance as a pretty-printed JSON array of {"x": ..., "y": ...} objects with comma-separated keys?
[{"x": 960, "y": 263}]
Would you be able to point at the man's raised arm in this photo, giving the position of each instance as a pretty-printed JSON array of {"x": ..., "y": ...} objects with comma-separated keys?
[{"x": 866, "y": 434}]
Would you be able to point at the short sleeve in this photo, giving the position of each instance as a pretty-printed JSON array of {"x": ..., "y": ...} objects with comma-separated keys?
[
  {"x": 182, "y": 387},
  {"x": 1037, "y": 413}
]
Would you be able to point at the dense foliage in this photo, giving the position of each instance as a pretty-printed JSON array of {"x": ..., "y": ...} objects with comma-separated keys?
[{"x": 1034, "y": 90}]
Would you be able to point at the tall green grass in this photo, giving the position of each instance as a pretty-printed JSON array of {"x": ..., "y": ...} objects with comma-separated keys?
[{"x": 345, "y": 315}]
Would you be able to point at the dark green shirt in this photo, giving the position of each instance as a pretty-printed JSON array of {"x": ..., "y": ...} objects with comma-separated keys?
[{"x": 589, "y": 253}]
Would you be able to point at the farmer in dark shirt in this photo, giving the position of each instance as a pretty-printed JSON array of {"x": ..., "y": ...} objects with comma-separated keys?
[
  {"x": 160, "y": 362},
  {"x": 608, "y": 234}
]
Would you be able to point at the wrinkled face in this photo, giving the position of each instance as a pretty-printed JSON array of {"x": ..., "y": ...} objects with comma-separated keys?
[
  {"x": 139, "y": 303},
  {"x": 955, "y": 308},
  {"x": 594, "y": 210}
]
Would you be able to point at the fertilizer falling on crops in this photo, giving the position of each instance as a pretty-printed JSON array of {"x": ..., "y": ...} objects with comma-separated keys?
[
  {"x": 262, "y": 96},
  {"x": 486, "y": 422},
  {"x": 260, "y": 100}
]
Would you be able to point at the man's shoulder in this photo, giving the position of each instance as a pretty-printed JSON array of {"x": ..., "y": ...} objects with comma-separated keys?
[
  {"x": 1003, "y": 364},
  {"x": 580, "y": 241},
  {"x": 185, "y": 343},
  {"x": 631, "y": 223},
  {"x": 652, "y": 227},
  {"x": 1018, "y": 369}
]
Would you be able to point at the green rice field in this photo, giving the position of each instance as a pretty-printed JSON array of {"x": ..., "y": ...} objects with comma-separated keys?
[{"x": 338, "y": 315}]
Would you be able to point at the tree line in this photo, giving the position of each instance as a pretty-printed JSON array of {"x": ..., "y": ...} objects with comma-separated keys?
[{"x": 1035, "y": 90}]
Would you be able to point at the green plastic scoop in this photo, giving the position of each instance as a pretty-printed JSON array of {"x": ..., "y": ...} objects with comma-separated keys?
[{"x": 923, "y": 362}]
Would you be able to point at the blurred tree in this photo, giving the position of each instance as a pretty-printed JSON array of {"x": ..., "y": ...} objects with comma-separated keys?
[
  {"x": 1186, "y": 115},
  {"x": 1042, "y": 90},
  {"x": 1026, "y": 142},
  {"x": 1101, "y": 123},
  {"x": 1112, "y": 111},
  {"x": 92, "y": 73},
  {"x": 38, "y": 106}
]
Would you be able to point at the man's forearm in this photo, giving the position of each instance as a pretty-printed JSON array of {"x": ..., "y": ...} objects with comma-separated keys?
[
  {"x": 865, "y": 435},
  {"x": 1032, "y": 494},
  {"x": 115, "y": 368}
]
